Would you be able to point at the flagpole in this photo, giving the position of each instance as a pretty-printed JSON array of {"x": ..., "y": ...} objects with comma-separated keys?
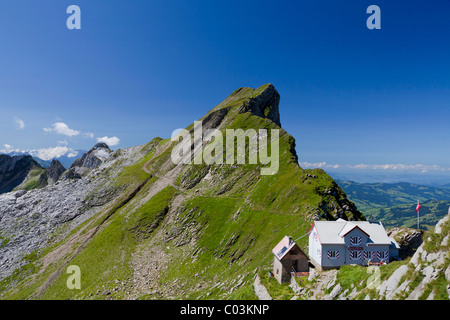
[
  {"x": 418, "y": 219},
  {"x": 418, "y": 210}
]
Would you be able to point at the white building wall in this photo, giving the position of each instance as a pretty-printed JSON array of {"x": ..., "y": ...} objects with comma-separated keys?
[{"x": 315, "y": 248}]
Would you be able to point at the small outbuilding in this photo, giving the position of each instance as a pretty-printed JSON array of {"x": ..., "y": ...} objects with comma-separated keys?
[{"x": 288, "y": 257}]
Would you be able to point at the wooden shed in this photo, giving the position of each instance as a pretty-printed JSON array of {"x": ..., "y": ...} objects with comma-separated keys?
[{"x": 288, "y": 257}]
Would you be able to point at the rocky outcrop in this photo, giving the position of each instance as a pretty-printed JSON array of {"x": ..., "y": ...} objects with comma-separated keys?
[
  {"x": 390, "y": 287},
  {"x": 264, "y": 104},
  {"x": 407, "y": 238},
  {"x": 55, "y": 170},
  {"x": 50, "y": 175},
  {"x": 14, "y": 170},
  {"x": 431, "y": 259},
  {"x": 94, "y": 157},
  {"x": 90, "y": 160}
]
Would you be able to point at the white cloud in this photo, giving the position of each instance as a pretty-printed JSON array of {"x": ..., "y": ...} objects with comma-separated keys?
[
  {"x": 322, "y": 165},
  {"x": 88, "y": 135},
  {"x": 110, "y": 141},
  {"x": 43, "y": 153},
  {"x": 20, "y": 125},
  {"x": 49, "y": 153},
  {"x": 400, "y": 167},
  {"x": 62, "y": 128},
  {"x": 72, "y": 154},
  {"x": 9, "y": 149},
  {"x": 380, "y": 167}
]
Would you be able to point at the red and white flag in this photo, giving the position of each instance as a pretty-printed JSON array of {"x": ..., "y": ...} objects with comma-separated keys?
[{"x": 418, "y": 207}]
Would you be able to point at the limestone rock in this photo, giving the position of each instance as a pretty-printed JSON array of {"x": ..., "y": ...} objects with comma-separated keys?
[
  {"x": 388, "y": 286},
  {"x": 55, "y": 170},
  {"x": 333, "y": 294},
  {"x": 438, "y": 228},
  {"x": 94, "y": 157}
]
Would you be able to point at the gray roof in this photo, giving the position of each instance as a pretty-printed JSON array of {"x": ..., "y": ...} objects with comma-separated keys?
[{"x": 333, "y": 232}]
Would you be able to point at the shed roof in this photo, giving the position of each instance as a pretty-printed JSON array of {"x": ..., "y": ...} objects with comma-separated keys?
[
  {"x": 283, "y": 247},
  {"x": 334, "y": 232}
]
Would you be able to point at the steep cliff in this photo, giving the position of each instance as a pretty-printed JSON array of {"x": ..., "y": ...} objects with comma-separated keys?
[{"x": 14, "y": 170}]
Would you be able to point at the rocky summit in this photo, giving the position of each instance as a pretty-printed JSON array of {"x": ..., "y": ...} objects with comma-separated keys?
[
  {"x": 139, "y": 225},
  {"x": 55, "y": 171}
]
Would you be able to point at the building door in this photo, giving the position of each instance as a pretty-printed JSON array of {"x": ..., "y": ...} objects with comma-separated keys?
[{"x": 294, "y": 265}]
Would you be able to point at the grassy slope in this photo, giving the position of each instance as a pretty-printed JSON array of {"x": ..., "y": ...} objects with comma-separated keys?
[
  {"x": 32, "y": 179},
  {"x": 222, "y": 232}
]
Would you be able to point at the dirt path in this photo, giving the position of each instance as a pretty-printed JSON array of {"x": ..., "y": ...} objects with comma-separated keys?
[
  {"x": 150, "y": 259},
  {"x": 169, "y": 177},
  {"x": 85, "y": 239}
]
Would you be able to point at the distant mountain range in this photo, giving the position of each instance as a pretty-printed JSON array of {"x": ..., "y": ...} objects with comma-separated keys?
[
  {"x": 435, "y": 179},
  {"x": 65, "y": 160},
  {"x": 394, "y": 203},
  {"x": 22, "y": 170}
]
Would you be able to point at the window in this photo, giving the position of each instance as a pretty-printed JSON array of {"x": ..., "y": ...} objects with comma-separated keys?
[
  {"x": 355, "y": 240},
  {"x": 369, "y": 255},
  {"x": 382, "y": 255},
  {"x": 355, "y": 255},
  {"x": 333, "y": 254},
  {"x": 283, "y": 250}
]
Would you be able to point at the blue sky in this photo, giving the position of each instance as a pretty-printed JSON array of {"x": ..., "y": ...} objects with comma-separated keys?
[{"x": 140, "y": 69}]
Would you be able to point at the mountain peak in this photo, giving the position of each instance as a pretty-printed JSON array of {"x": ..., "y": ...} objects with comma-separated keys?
[
  {"x": 100, "y": 145},
  {"x": 94, "y": 157},
  {"x": 262, "y": 102},
  {"x": 55, "y": 170}
]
